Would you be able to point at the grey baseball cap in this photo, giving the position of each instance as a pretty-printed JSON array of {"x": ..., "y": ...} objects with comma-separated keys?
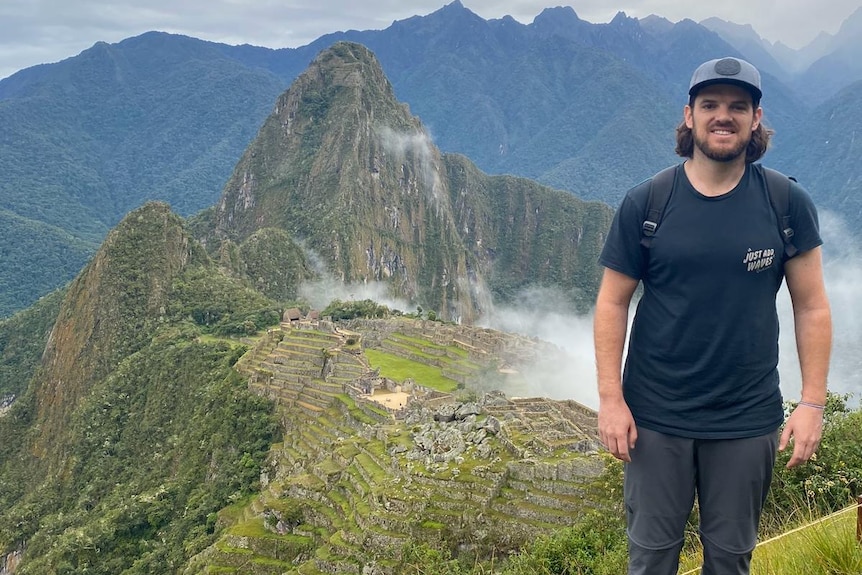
[{"x": 727, "y": 71}]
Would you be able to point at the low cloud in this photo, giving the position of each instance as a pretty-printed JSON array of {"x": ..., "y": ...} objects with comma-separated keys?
[
  {"x": 842, "y": 270},
  {"x": 321, "y": 292},
  {"x": 546, "y": 313},
  {"x": 405, "y": 147}
]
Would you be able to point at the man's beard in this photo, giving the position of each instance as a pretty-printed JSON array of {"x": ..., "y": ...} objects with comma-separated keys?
[{"x": 722, "y": 155}]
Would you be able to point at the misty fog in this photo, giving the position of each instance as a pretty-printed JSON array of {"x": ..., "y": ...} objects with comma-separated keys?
[{"x": 545, "y": 313}]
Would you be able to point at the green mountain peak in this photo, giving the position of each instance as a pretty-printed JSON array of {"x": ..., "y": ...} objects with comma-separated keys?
[
  {"x": 345, "y": 168},
  {"x": 111, "y": 309}
]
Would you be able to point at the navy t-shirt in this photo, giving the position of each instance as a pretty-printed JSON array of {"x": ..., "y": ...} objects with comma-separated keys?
[{"x": 703, "y": 351}]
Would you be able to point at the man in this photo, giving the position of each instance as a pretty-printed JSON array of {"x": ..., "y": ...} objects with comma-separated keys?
[{"x": 698, "y": 408}]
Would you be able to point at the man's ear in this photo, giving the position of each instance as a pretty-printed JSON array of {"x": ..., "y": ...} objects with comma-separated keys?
[{"x": 758, "y": 117}]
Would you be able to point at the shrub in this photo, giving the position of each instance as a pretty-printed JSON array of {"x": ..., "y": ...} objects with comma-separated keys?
[
  {"x": 832, "y": 478},
  {"x": 597, "y": 545}
]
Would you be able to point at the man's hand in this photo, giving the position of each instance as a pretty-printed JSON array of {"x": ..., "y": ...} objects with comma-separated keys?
[
  {"x": 617, "y": 429},
  {"x": 805, "y": 426}
]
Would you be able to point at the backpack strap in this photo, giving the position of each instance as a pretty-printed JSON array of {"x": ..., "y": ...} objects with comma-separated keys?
[
  {"x": 778, "y": 187},
  {"x": 660, "y": 190}
]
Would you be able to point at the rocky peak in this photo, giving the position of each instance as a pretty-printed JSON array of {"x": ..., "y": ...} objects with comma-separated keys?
[
  {"x": 349, "y": 173},
  {"x": 343, "y": 166}
]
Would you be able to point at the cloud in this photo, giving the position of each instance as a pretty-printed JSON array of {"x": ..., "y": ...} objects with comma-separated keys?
[
  {"x": 842, "y": 270},
  {"x": 320, "y": 292},
  {"x": 546, "y": 313},
  {"x": 415, "y": 147}
]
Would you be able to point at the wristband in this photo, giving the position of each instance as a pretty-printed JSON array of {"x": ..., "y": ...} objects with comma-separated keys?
[{"x": 809, "y": 404}]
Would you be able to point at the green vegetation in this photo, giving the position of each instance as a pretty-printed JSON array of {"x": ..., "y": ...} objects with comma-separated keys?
[
  {"x": 826, "y": 546},
  {"x": 343, "y": 310},
  {"x": 22, "y": 341},
  {"x": 155, "y": 451},
  {"x": 424, "y": 343},
  {"x": 160, "y": 117},
  {"x": 160, "y": 432},
  {"x": 823, "y": 548},
  {"x": 274, "y": 264},
  {"x": 222, "y": 304},
  {"x": 399, "y": 369},
  {"x": 37, "y": 259},
  {"x": 595, "y": 546},
  {"x": 354, "y": 410},
  {"x": 833, "y": 477}
]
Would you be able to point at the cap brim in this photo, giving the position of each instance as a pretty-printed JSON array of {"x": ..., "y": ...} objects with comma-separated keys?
[{"x": 755, "y": 91}]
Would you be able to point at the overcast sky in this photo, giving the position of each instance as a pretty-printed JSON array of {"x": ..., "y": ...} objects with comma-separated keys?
[{"x": 42, "y": 31}]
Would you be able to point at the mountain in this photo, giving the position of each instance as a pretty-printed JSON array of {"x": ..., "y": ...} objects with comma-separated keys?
[
  {"x": 746, "y": 41},
  {"x": 817, "y": 72},
  {"x": 146, "y": 414},
  {"x": 127, "y": 415},
  {"x": 585, "y": 108},
  {"x": 346, "y": 169},
  {"x": 22, "y": 340},
  {"x": 828, "y": 139},
  {"x": 839, "y": 67},
  {"x": 37, "y": 259},
  {"x": 89, "y": 139}
]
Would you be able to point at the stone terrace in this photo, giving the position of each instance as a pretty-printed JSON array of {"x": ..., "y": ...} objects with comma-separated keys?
[{"x": 350, "y": 481}]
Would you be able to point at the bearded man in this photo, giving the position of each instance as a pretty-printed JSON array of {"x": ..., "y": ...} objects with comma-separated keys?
[{"x": 697, "y": 409}]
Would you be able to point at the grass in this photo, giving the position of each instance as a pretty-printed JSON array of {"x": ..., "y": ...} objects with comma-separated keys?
[
  {"x": 825, "y": 547},
  {"x": 252, "y": 528},
  {"x": 231, "y": 341},
  {"x": 354, "y": 410},
  {"x": 828, "y": 547},
  {"x": 399, "y": 369}
]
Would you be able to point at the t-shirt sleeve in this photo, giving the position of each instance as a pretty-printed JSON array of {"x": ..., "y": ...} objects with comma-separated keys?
[
  {"x": 803, "y": 218},
  {"x": 622, "y": 251}
]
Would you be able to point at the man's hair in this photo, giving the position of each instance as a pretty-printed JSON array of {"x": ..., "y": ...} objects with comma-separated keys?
[{"x": 756, "y": 147}]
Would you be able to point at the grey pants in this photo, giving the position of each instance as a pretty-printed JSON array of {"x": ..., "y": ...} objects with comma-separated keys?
[{"x": 731, "y": 479}]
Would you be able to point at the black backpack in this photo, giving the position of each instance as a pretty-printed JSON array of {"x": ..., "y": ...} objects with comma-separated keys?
[{"x": 777, "y": 186}]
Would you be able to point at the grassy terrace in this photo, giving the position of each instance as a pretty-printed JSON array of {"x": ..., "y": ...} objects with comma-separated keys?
[
  {"x": 825, "y": 547},
  {"x": 399, "y": 369},
  {"x": 348, "y": 478},
  {"x": 420, "y": 343},
  {"x": 418, "y": 346},
  {"x": 357, "y": 413}
]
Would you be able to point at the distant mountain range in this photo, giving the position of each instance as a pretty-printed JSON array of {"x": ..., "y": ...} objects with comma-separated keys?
[{"x": 586, "y": 108}]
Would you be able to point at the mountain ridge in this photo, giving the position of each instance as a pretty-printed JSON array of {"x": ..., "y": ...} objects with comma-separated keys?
[{"x": 563, "y": 110}]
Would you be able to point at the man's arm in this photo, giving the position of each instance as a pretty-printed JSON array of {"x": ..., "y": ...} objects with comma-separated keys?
[
  {"x": 616, "y": 426},
  {"x": 813, "y": 327}
]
